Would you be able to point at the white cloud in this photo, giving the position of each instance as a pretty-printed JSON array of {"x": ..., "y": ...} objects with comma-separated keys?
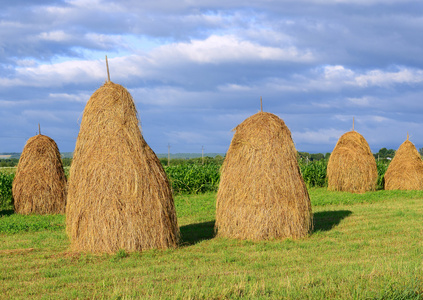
[
  {"x": 66, "y": 97},
  {"x": 219, "y": 49},
  {"x": 55, "y": 35},
  {"x": 380, "y": 78},
  {"x": 354, "y": 2},
  {"x": 235, "y": 88},
  {"x": 364, "y": 101},
  {"x": 54, "y": 75},
  {"x": 338, "y": 73},
  {"x": 337, "y": 77}
]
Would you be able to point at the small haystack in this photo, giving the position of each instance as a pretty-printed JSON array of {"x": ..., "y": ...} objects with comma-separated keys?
[
  {"x": 119, "y": 196},
  {"x": 262, "y": 194},
  {"x": 352, "y": 166},
  {"x": 405, "y": 172},
  {"x": 39, "y": 186}
]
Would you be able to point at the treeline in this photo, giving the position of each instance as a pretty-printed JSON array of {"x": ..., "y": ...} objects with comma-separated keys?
[
  {"x": 13, "y": 162},
  {"x": 312, "y": 157},
  {"x": 188, "y": 159},
  {"x": 207, "y": 160},
  {"x": 8, "y": 162}
]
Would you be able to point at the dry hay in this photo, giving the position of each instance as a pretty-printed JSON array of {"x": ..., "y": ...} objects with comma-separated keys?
[
  {"x": 39, "y": 186},
  {"x": 352, "y": 166},
  {"x": 119, "y": 196},
  {"x": 262, "y": 194},
  {"x": 405, "y": 172}
]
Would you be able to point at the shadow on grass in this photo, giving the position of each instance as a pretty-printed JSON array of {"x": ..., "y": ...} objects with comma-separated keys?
[
  {"x": 326, "y": 220},
  {"x": 193, "y": 233},
  {"x": 6, "y": 212}
]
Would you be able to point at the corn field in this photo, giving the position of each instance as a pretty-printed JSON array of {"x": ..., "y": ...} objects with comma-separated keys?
[
  {"x": 197, "y": 178},
  {"x": 6, "y": 180},
  {"x": 193, "y": 178}
]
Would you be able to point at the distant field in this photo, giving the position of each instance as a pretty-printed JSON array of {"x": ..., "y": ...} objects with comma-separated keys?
[
  {"x": 188, "y": 155},
  {"x": 159, "y": 155},
  {"x": 8, "y": 170}
]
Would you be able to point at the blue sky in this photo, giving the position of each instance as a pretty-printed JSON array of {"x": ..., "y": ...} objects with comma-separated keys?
[{"x": 196, "y": 69}]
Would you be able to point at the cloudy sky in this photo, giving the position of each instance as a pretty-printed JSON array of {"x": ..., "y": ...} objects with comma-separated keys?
[{"x": 196, "y": 69}]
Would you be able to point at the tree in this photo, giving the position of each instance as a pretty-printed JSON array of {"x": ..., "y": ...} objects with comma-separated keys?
[{"x": 385, "y": 154}]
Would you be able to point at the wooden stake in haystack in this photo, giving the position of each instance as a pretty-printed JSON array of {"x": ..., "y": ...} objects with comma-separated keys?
[
  {"x": 107, "y": 66},
  {"x": 39, "y": 186},
  {"x": 119, "y": 195},
  {"x": 405, "y": 172},
  {"x": 352, "y": 166},
  {"x": 262, "y": 194}
]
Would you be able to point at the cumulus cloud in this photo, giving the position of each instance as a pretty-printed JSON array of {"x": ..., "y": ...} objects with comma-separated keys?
[
  {"x": 196, "y": 70},
  {"x": 380, "y": 78},
  {"x": 220, "y": 49}
]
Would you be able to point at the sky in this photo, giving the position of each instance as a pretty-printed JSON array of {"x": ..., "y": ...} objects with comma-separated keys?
[{"x": 197, "y": 69}]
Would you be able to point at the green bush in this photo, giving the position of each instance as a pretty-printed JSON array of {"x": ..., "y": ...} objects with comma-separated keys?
[{"x": 6, "y": 199}]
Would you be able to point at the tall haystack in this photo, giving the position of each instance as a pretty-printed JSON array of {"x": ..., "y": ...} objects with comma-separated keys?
[
  {"x": 39, "y": 186},
  {"x": 405, "y": 172},
  {"x": 119, "y": 196},
  {"x": 352, "y": 166},
  {"x": 262, "y": 194}
]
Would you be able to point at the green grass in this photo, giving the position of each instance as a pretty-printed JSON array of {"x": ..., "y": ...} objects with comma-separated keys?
[
  {"x": 11, "y": 223},
  {"x": 369, "y": 250},
  {"x": 320, "y": 196}
]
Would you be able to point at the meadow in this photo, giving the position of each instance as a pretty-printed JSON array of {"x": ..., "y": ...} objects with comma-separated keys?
[{"x": 363, "y": 246}]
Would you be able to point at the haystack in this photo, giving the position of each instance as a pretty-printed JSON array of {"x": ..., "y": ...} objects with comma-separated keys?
[
  {"x": 405, "y": 172},
  {"x": 352, "y": 166},
  {"x": 262, "y": 194},
  {"x": 119, "y": 196},
  {"x": 39, "y": 186}
]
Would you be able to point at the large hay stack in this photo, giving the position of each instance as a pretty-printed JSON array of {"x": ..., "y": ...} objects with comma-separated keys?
[
  {"x": 405, "y": 172},
  {"x": 39, "y": 186},
  {"x": 262, "y": 194},
  {"x": 119, "y": 196},
  {"x": 352, "y": 166}
]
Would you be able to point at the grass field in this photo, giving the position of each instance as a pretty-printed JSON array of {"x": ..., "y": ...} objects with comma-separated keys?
[{"x": 366, "y": 246}]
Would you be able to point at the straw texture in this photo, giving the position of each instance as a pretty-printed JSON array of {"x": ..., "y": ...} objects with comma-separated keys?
[
  {"x": 119, "y": 195},
  {"x": 262, "y": 194},
  {"x": 352, "y": 166},
  {"x": 405, "y": 172},
  {"x": 39, "y": 186}
]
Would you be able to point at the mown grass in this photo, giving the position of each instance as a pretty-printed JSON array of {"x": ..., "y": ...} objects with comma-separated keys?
[{"x": 370, "y": 250}]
